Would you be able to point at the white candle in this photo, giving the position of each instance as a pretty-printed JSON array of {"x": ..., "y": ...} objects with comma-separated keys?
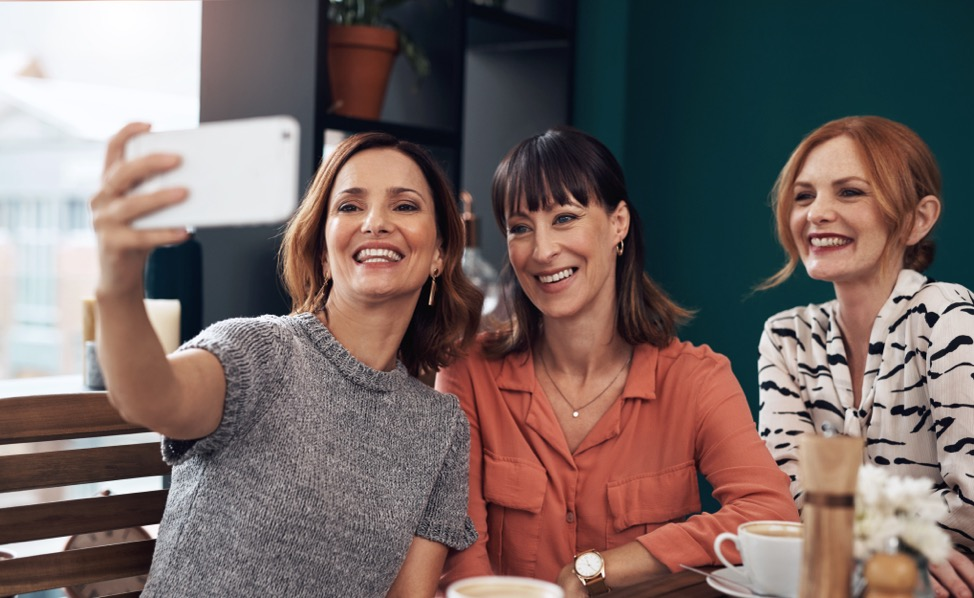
[{"x": 164, "y": 317}]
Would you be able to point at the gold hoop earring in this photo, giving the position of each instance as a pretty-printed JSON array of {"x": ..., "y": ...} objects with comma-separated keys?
[
  {"x": 620, "y": 247},
  {"x": 436, "y": 272}
]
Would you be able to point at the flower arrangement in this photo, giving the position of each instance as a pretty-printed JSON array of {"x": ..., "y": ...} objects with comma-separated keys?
[{"x": 900, "y": 510}]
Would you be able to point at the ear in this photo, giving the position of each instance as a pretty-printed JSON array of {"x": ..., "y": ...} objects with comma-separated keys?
[
  {"x": 925, "y": 216},
  {"x": 437, "y": 263},
  {"x": 619, "y": 221}
]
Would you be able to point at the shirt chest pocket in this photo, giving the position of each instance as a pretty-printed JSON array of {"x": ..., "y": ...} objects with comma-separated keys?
[
  {"x": 642, "y": 503},
  {"x": 515, "y": 491}
]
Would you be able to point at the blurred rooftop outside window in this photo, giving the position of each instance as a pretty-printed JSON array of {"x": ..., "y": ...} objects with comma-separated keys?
[{"x": 71, "y": 74}]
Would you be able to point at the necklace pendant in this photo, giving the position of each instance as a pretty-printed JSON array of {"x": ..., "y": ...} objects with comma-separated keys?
[{"x": 574, "y": 413}]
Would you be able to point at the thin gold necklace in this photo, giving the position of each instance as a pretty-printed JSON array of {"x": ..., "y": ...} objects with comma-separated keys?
[{"x": 575, "y": 410}]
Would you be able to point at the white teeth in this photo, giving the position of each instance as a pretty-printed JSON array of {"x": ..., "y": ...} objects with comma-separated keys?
[
  {"x": 829, "y": 241},
  {"x": 367, "y": 256},
  {"x": 557, "y": 276}
]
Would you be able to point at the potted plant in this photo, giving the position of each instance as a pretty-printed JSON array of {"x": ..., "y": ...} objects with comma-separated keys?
[{"x": 363, "y": 42}]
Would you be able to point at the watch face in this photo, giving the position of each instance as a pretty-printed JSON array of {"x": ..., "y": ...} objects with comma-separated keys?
[{"x": 588, "y": 564}]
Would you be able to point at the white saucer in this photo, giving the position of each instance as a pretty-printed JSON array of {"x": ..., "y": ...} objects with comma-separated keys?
[{"x": 731, "y": 574}]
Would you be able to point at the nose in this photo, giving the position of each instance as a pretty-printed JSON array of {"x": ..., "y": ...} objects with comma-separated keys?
[
  {"x": 546, "y": 247},
  {"x": 821, "y": 209},
  {"x": 376, "y": 220}
]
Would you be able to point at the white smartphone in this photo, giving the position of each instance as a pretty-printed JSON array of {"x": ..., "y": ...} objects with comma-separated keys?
[{"x": 238, "y": 172}]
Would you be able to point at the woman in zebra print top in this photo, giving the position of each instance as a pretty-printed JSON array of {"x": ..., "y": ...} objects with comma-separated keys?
[{"x": 891, "y": 358}]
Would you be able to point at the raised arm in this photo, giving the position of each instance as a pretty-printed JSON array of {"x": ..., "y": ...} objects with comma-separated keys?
[{"x": 180, "y": 396}]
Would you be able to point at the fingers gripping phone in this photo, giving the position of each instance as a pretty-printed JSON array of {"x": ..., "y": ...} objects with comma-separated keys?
[{"x": 238, "y": 172}]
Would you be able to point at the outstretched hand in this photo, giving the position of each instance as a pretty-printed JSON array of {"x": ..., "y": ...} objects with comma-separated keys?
[{"x": 122, "y": 250}]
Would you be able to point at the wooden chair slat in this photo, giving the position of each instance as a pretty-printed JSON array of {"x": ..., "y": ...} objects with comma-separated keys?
[
  {"x": 88, "y": 415},
  {"x": 71, "y": 567},
  {"x": 69, "y": 517},
  {"x": 57, "y": 417},
  {"x": 81, "y": 466}
]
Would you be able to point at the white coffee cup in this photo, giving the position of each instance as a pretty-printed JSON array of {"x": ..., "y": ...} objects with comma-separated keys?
[
  {"x": 772, "y": 555},
  {"x": 503, "y": 586}
]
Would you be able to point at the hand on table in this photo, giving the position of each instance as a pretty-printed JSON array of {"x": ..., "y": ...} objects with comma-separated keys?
[{"x": 954, "y": 577}]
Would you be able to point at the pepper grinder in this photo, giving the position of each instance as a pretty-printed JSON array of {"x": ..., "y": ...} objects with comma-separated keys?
[{"x": 829, "y": 468}]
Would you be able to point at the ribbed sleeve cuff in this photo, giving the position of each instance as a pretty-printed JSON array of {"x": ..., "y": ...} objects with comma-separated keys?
[{"x": 454, "y": 538}]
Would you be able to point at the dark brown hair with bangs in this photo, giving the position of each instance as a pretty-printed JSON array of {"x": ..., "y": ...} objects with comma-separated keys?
[
  {"x": 901, "y": 168},
  {"x": 552, "y": 168},
  {"x": 436, "y": 334}
]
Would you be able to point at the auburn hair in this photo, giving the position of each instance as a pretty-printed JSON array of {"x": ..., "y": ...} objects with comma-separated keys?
[{"x": 901, "y": 169}]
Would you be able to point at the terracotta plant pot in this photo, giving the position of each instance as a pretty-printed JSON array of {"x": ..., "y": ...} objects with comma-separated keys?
[{"x": 359, "y": 62}]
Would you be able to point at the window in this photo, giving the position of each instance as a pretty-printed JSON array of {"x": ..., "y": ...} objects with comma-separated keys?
[{"x": 71, "y": 74}]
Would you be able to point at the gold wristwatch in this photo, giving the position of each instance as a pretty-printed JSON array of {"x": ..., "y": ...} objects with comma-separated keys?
[{"x": 590, "y": 570}]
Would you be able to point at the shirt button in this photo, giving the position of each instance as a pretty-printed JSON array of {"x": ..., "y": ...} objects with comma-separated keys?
[{"x": 570, "y": 517}]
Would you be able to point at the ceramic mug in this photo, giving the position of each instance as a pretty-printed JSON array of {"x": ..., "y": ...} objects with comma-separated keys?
[
  {"x": 503, "y": 586},
  {"x": 771, "y": 552}
]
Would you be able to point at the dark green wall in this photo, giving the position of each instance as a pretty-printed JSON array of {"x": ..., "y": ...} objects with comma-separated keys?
[{"x": 703, "y": 101}]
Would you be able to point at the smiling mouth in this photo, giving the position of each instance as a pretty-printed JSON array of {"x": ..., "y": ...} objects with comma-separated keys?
[
  {"x": 550, "y": 278},
  {"x": 371, "y": 256},
  {"x": 829, "y": 241}
]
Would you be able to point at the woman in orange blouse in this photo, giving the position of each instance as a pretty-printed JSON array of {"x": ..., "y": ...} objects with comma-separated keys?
[{"x": 589, "y": 419}]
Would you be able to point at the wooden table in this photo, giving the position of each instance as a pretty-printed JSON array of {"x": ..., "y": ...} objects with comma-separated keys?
[{"x": 684, "y": 584}]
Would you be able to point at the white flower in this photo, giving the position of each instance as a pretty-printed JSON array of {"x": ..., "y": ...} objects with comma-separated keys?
[{"x": 902, "y": 509}]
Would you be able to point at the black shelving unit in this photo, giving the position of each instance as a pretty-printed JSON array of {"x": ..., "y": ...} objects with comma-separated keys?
[
  {"x": 498, "y": 75},
  {"x": 490, "y": 26}
]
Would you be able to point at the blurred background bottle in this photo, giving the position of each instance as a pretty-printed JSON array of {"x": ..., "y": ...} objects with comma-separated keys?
[{"x": 475, "y": 266}]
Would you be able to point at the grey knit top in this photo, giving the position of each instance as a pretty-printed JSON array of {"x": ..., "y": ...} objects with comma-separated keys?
[{"x": 318, "y": 477}]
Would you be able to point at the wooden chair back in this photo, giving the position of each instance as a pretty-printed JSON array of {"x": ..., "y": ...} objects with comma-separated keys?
[{"x": 34, "y": 421}]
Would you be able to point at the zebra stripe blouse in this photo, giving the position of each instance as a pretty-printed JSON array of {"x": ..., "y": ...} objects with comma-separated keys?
[{"x": 917, "y": 408}]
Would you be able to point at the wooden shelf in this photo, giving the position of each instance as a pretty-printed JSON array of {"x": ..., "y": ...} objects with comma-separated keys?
[
  {"x": 420, "y": 135},
  {"x": 496, "y": 28}
]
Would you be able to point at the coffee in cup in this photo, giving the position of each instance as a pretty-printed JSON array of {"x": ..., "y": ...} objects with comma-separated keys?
[
  {"x": 503, "y": 586},
  {"x": 771, "y": 552}
]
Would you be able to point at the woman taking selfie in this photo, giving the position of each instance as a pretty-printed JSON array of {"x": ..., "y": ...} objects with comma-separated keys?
[
  {"x": 307, "y": 458},
  {"x": 891, "y": 358},
  {"x": 589, "y": 419}
]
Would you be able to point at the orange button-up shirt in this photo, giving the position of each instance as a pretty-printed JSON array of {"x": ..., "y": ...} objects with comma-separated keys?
[{"x": 536, "y": 504}]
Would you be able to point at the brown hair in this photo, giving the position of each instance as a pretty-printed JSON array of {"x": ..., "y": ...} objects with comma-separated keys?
[
  {"x": 901, "y": 169},
  {"x": 552, "y": 168},
  {"x": 436, "y": 334}
]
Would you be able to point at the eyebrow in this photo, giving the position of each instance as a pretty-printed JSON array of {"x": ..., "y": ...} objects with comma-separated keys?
[
  {"x": 398, "y": 190},
  {"x": 841, "y": 181},
  {"x": 389, "y": 191}
]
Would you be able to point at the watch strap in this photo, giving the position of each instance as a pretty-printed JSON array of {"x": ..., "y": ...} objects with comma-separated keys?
[{"x": 596, "y": 586}]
